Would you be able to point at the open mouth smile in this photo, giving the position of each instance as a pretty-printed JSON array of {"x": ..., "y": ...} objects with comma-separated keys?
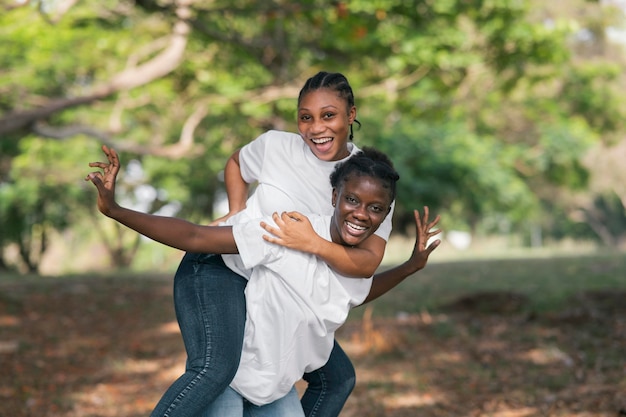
[
  {"x": 355, "y": 227},
  {"x": 319, "y": 141}
]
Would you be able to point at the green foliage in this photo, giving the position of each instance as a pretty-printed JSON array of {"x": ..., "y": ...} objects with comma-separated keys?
[
  {"x": 483, "y": 105},
  {"x": 40, "y": 195},
  {"x": 590, "y": 91},
  {"x": 464, "y": 176}
]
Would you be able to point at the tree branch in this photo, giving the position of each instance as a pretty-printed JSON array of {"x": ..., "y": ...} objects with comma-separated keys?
[{"x": 130, "y": 78}]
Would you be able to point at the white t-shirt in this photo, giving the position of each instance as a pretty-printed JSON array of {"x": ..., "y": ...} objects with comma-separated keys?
[
  {"x": 295, "y": 302},
  {"x": 290, "y": 178}
]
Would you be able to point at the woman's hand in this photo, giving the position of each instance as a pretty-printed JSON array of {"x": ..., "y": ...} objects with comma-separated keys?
[
  {"x": 423, "y": 233},
  {"x": 388, "y": 279},
  {"x": 294, "y": 231},
  {"x": 222, "y": 219},
  {"x": 105, "y": 180}
]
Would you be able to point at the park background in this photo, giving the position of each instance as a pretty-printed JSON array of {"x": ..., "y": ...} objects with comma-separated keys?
[{"x": 506, "y": 117}]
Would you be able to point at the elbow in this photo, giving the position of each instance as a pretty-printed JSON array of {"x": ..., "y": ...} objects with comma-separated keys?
[
  {"x": 365, "y": 271},
  {"x": 371, "y": 271},
  {"x": 372, "y": 266}
]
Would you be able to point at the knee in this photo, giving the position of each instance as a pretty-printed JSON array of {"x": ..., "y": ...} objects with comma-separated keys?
[
  {"x": 347, "y": 384},
  {"x": 219, "y": 369}
]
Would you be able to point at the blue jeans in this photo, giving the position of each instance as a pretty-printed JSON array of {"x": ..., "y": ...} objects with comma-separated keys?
[
  {"x": 210, "y": 308},
  {"x": 231, "y": 404},
  {"x": 329, "y": 387}
]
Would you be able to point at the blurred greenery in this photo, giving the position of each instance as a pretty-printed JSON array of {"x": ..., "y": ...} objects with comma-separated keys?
[{"x": 487, "y": 108}]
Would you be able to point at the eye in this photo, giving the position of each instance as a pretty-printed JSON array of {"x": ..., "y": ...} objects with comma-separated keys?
[
  {"x": 377, "y": 209},
  {"x": 351, "y": 200},
  {"x": 305, "y": 117},
  {"x": 329, "y": 115}
]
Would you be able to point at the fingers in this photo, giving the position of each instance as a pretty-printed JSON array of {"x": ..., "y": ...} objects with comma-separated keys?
[
  {"x": 424, "y": 220},
  {"x": 270, "y": 239},
  {"x": 291, "y": 216},
  {"x": 113, "y": 164},
  {"x": 96, "y": 179},
  {"x": 269, "y": 228},
  {"x": 278, "y": 219},
  {"x": 113, "y": 158},
  {"x": 98, "y": 165},
  {"x": 433, "y": 246}
]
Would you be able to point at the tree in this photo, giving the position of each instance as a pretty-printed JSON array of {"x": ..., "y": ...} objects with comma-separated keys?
[{"x": 180, "y": 84}]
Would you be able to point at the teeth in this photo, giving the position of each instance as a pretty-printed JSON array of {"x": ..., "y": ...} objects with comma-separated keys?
[
  {"x": 355, "y": 226},
  {"x": 319, "y": 141}
]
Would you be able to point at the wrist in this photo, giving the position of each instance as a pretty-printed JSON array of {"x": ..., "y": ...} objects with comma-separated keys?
[
  {"x": 114, "y": 211},
  {"x": 316, "y": 246}
]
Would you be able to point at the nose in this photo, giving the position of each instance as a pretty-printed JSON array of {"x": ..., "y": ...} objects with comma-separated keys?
[
  {"x": 360, "y": 212},
  {"x": 317, "y": 126}
]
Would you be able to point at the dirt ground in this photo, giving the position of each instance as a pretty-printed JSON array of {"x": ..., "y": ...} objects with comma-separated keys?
[{"x": 103, "y": 347}]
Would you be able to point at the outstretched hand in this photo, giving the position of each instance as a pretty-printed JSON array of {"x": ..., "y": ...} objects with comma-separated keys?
[
  {"x": 105, "y": 180},
  {"x": 423, "y": 233},
  {"x": 294, "y": 231},
  {"x": 388, "y": 279}
]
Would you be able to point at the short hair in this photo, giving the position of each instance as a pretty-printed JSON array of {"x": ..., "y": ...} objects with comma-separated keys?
[{"x": 367, "y": 162}]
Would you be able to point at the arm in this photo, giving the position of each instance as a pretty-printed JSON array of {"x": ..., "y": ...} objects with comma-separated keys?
[
  {"x": 236, "y": 188},
  {"x": 387, "y": 280},
  {"x": 170, "y": 231},
  {"x": 295, "y": 232}
]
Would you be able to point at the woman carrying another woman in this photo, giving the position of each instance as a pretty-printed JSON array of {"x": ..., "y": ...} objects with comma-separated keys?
[
  {"x": 292, "y": 172},
  {"x": 296, "y": 301}
]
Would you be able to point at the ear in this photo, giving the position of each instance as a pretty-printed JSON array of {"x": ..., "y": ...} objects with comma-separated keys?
[
  {"x": 352, "y": 114},
  {"x": 334, "y": 198}
]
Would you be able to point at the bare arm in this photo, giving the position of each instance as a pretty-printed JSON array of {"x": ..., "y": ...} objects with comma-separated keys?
[
  {"x": 387, "y": 280},
  {"x": 170, "y": 231},
  {"x": 295, "y": 231},
  {"x": 236, "y": 188}
]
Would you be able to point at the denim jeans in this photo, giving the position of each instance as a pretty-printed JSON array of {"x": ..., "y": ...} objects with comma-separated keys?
[
  {"x": 211, "y": 311},
  {"x": 329, "y": 386},
  {"x": 231, "y": 404},
  {"x": 210, "y": 306}
]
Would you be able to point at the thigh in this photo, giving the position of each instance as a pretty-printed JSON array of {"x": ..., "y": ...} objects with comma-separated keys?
[
  {"x": 229, "y": 404},
  {"x": 210, "y": 306},
  {"x": 287, "y": 406}
]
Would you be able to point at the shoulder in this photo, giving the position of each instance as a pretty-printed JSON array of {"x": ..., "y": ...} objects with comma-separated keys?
[
  {"x": 280, "y": 134},
  {"x": 275, "y": 139}
]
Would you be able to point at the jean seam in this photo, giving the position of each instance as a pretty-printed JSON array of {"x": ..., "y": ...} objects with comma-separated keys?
[
  {"x": 320, "y": 398},
  {"x": 207, "y": 358}
]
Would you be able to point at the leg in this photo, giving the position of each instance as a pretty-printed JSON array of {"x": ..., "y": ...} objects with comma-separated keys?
[
  {"x": 228, "y": 404},
  {"x": 288, "y": 406},
  {"x": 330, "y": 386},
  {"x": 211, "y": 310}
]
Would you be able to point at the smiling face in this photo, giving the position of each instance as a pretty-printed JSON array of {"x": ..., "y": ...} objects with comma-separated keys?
[
  {"x": 361, "y": 204},
  {"x": 324, "y": 120}
]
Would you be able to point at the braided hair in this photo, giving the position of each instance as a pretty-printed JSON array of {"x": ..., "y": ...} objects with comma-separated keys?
[
  {"x": 367, "y": 162},
  {"x": 333, "y": 81}
]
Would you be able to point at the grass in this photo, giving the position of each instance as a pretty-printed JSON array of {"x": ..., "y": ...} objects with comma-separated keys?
[
  {"x": 548, "y": 283},
  {"x": 95, "y": 345}
]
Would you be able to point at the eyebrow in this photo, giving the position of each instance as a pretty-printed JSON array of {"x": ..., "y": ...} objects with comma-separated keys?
[{"x": 330, "y": 106}]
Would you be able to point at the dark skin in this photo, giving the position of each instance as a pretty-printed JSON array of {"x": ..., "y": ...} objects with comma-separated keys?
[
  {"x": 324, "y": 120},
  {"x": 169, "y": 230}
]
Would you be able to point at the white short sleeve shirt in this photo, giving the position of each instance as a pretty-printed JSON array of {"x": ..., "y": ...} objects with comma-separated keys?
[{"x": 295, "y": 302}]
